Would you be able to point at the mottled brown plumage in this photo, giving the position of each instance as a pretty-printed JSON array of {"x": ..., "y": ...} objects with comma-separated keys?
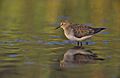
[
  {"x": 78, "y": 32},
  {"x": 81, "y": 30}
]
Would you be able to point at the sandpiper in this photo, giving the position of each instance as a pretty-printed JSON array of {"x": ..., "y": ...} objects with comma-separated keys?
[{"x": 78, "y": 32}]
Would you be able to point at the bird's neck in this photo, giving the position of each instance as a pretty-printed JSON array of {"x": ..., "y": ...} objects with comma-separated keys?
[{"x": 67, "y": 30}]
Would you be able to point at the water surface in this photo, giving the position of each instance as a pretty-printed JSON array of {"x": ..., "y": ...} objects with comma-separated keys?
[{"x": 31, "y": 48}]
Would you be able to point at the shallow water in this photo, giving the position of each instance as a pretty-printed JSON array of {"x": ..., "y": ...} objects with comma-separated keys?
[{"x": 30, "y": 47}]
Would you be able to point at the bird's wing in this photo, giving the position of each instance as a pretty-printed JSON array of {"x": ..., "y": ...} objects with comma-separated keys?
[{"x": 81, "y": 30}]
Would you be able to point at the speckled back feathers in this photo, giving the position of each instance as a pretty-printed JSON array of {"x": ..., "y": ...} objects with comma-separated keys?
[{"x": 81, "y": 30}]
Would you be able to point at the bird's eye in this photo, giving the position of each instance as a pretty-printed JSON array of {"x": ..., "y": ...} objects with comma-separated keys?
[{"x": 61, "y": 24}]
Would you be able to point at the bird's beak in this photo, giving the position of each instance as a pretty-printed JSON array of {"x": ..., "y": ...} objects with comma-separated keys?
[{"x": 57, "y": 27}]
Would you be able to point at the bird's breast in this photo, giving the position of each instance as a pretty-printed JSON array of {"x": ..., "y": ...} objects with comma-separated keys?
[{"x": 70, "y": 35}]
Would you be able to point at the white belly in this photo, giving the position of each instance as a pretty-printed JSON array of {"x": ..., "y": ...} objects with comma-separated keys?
[{"x": 72, "y": 37}]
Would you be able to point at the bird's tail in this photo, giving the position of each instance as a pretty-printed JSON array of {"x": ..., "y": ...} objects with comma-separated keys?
[
  {"x": 96, "y": 30},
  {"x": 99, "y": 59}
]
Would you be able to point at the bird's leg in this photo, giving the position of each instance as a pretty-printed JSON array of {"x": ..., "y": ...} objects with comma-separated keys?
[
  {"x": 86, "y": 43},
  {"x": 81, "y": 44},
  {"x": 78, "y": 43}
]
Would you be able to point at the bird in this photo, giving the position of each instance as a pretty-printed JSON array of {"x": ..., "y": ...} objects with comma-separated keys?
[{"x": 78, "y": 32}]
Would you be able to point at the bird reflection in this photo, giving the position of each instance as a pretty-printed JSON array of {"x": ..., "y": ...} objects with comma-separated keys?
[{"x": 77, "y": 56}]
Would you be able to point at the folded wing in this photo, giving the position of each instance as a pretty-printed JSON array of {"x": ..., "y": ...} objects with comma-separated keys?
[{"x": 81, "y": 30}]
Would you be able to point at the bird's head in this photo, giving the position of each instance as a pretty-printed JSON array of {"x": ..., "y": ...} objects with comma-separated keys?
[{"x": 64, "y": 24}]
